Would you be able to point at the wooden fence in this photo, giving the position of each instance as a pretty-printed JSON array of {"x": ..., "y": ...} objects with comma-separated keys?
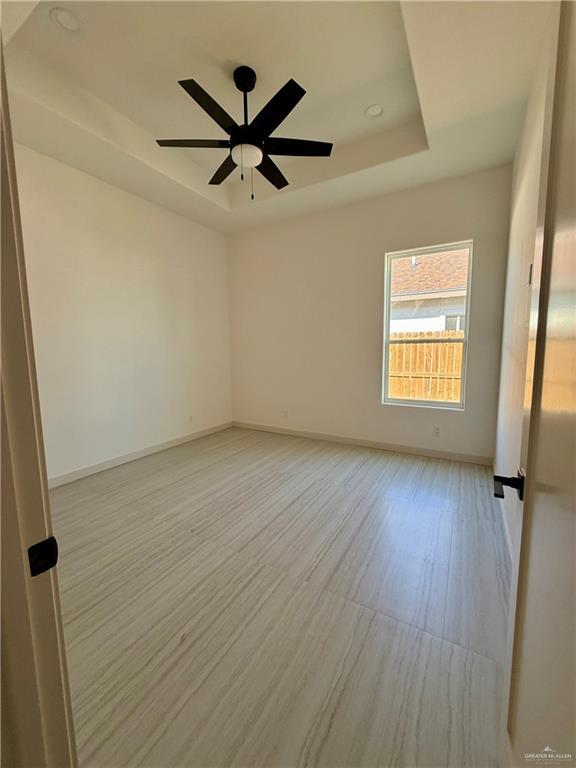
[{"x": 430, "y": 369}]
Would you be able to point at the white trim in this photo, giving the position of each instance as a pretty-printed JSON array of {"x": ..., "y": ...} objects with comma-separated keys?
[
  {"x": 412, "y": 450},
  {"x": 94, "y": 469},
  {"x": 430, "y": 404},
  {"x": 443, "y": 340},
  {"x": 388, "y": 257},
  {"x": 425, "y": 249},
  {"x": 423, "y": 295},
  {"x": 77, "y": 474}
]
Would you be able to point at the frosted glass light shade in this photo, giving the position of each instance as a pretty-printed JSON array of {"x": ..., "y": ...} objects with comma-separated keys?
[{"x": 247, "y": 155}]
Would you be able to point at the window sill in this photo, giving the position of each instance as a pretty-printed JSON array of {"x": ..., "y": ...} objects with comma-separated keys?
[{"x": 435, "y": 406}]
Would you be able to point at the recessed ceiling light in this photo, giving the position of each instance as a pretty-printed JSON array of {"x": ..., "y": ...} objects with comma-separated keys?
[
  {"x": 65, "y": 19},
  {"x": 374, "y": 110}
]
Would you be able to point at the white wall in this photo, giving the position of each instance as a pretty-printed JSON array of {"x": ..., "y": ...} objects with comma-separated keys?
[
  {"x": 523, "y": 220},
  {"x": 306, "y": 311},
  {"x": 129, "y": 309}
]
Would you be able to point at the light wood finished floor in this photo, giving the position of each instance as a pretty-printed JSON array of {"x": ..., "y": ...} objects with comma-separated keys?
[{"x": 251, "y": 599}]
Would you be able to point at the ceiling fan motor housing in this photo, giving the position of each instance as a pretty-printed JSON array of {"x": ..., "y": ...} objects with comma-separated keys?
[{"x": 244, "y": 134}]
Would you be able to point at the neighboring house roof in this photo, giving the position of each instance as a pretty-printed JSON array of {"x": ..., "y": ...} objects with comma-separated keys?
[{"x": 430, "y": 273}]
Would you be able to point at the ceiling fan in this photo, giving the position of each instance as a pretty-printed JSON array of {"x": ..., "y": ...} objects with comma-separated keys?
[{"x": 251, "y": 144}]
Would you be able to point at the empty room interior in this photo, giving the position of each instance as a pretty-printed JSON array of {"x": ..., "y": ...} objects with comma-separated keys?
[{"x": 300, "y": 285}]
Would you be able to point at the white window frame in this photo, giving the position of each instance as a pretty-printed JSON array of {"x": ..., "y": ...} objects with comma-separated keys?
[{"x": 389, "y": 257}]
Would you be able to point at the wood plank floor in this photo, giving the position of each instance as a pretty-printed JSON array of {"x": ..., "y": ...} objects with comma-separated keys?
[{"x": 250, "y": 599}]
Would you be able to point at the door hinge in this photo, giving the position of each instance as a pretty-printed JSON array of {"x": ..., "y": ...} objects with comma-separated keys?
[
  {"x": 512, "y": 482},
  {"x": 43, "y": 555}
]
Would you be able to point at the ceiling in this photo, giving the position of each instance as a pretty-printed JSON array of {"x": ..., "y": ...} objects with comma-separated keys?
[{"x": 452, "y": 78}]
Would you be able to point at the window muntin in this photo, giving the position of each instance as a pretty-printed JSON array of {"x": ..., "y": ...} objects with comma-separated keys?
[{"x": 425, "y": 325}]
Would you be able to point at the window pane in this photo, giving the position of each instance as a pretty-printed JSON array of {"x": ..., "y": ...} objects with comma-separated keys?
[
  {"x": 426, "y": 290},
  {"x": 425, "y": 371},
  {"x": 427, "y": 311}
]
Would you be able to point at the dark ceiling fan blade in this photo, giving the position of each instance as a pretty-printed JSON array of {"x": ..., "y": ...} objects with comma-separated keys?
[
  {"x": 270, "y": 171},
  {"x": 223, "y": 171},
  {"x": 209, "y": 106},
  {"x": 298, "y": 147},
  {"x": 215, "y": 143},
  {"x": 278, "y": 108}
]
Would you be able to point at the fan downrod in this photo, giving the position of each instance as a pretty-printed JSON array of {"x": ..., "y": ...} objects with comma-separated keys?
[{"x": 244, "y": 79}]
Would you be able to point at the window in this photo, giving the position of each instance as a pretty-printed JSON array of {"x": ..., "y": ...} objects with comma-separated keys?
[
  {"x": 426, "y": 325},
  {"x": 454, "y": 322}
]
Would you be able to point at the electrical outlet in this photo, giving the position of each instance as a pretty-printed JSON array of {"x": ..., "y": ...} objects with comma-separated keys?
[
  {"x": 436, "y": 431},
  {"x": 191, "y": 419}
]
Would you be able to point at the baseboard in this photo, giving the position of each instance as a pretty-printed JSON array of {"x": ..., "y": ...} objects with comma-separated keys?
[
  {"x": 414, "y": 451},
  {"x": 78, "y": 474}
]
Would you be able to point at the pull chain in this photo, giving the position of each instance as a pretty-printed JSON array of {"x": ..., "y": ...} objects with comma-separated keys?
[
  {"x": 252, "y": 183},
  {"x": 241, "y": 164}
]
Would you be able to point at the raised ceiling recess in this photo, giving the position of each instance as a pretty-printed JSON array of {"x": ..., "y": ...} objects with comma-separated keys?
[{"x": 407, "y": 92}]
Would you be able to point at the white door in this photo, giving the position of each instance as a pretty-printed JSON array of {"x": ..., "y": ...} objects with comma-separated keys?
[
  {"x": 542, "y": 712},
  {"x": 37, "y": 725}
]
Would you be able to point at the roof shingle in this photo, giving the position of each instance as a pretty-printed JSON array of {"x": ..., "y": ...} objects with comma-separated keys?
[{"x": 430, "y": 272}]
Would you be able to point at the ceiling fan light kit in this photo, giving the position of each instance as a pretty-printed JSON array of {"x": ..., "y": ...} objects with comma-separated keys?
[
  {"x": 250, "y": 144},
  {"x": 247, "y": 155}
]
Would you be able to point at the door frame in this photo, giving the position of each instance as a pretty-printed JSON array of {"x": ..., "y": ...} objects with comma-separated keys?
[{"x": 37, "y": 726}]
